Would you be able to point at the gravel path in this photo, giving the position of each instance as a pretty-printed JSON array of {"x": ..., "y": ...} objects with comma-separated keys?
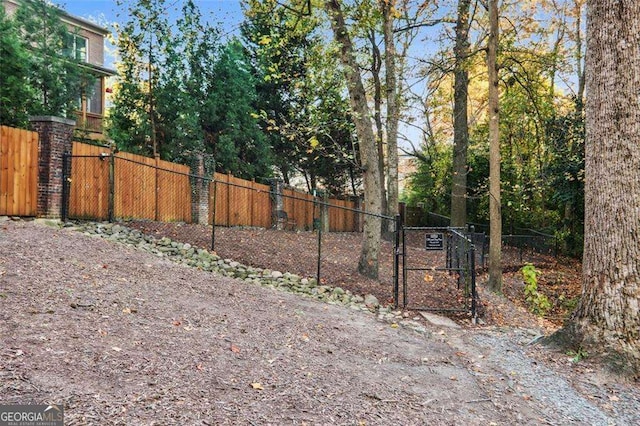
[{"x": 123, "y": 336}]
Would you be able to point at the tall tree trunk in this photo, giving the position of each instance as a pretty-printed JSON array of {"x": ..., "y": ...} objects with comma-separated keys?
[
  {"x": 393, "y": 114},
  {"x": 376, "y": 65},
  {"x": 579, "y": 4},
  {"x": 460, "y": 121},
  {"x": 495, "y": 211},
  {"x": 368, "y": 263},
  {"x": 607, "y": 319}
]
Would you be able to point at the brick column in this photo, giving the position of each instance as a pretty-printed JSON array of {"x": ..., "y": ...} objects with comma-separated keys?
[
  {"x": 278, "y": 205},
  {"x": 55, "y": 134},
  {"x": 199, "y": 192}
]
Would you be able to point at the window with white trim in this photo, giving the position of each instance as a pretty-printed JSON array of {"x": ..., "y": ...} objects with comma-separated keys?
[{"x": 76, "y": 47}]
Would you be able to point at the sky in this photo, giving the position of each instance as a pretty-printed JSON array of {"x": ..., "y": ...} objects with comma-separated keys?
[{"x": 226, "y": 12}]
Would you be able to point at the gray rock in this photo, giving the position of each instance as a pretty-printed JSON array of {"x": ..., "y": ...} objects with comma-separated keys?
[
  {"x": 371, "y": 300},
  {"x": 276, "y": 274},
  {"x": 439, "y": 320}
]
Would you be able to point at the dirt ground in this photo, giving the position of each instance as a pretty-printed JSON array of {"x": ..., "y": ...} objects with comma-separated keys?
[{"x": 123, "y": 337}]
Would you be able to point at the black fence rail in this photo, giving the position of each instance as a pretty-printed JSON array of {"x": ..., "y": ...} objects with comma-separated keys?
[{"x": 524, "y": 242}]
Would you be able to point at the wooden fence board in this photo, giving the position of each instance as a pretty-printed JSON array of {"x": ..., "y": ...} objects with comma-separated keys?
[
  {"x": 18, "y": 172},
  {"x": 135, "y": 187},
  {"x": 341, "y": 219},
  {"x": 4, "y": 170},
  {"x": 239, "y": 202},
  {"x": 89, "y": 188},
  {"x": 261, "y": 205},
  {"x": 174, "y": 189}
]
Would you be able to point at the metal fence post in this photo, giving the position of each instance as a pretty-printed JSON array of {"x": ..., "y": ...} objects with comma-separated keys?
[
  {"x": 66, "y": 183},
  {"x": 213, "y": 217},
  {"x": 472, "y": 267},
  {"x": 112, "y": 183},
  {"x": 396, "y": 260},
  {"x": 319, "y": 248}
]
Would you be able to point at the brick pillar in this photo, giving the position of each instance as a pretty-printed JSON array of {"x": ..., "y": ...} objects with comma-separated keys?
[
  {"x": 55, "y": 134},
  {"x": 278, "y": 205},
  {"x": 200, "y": 192},
  {"x": 325, "y": 219}
]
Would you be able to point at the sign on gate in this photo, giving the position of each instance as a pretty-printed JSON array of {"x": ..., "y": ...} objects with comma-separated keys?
[
  {"x": 434, "y": 242},
  {"x": 436, "y": 266}
]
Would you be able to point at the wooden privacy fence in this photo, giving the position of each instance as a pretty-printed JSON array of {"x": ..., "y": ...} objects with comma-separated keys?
[
  {"x": 239, "y": 202},
  {"x": 139, "y": 187},
  {"x": 343, "y": 217},
  {"x": 300, "y": 208},
  {"x": 143, "y": 188},
  {"x": 18, "y": 172}
]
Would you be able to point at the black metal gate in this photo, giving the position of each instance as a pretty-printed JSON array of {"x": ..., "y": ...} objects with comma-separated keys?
[{"x": 436, "y": 269}]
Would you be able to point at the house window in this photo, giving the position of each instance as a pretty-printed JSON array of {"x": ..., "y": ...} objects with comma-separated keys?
[
  {"x": 76, "y": 47},
  {"x": 94, "y": 100}
]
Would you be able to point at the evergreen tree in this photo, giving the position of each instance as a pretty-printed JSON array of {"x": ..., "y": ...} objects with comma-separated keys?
[
  {"x": 164, "y": 69},
  {"x": 57, "y": 78},
  {"x": 301, "y": 95},
  {"x": 229, "y": 117},
  {"x": 15, "y": 90}
]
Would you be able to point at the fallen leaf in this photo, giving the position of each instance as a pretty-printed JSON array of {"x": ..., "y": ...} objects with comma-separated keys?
[
  {"x": 126, "y": 311},
  {"x": 117, "y": 349},
  {"x": 235, "y": 349},
  {"x": 394, "y": 325},
  {"x": 177, "y": 323},
  {"x": 613, "y": 398},
  {"x": 257, "y": 386}
]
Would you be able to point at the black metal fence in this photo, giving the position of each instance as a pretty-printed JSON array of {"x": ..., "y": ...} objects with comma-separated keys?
[
  {"x": 261, "y": 225},
  {"x": 525, "y": 244},
  {"x": 268, "y": 226},
  {"x": 438, "y": 269}
]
